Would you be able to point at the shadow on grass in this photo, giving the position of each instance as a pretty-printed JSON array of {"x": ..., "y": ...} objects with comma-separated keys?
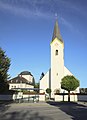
[{"x": 75, "y": 110}]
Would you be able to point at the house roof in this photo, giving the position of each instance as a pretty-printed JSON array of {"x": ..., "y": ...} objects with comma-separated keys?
[
  {"x": 56, "y": 32},
  {"x": 25, "y": 73},
  {"x": 19, "y": 79}
]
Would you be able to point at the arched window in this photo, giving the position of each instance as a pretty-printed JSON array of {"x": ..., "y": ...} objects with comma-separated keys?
[{"x": 56, "y": 52}]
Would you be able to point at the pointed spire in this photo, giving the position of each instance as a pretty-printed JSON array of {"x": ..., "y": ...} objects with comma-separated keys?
[{"x": 56, "y": 32}]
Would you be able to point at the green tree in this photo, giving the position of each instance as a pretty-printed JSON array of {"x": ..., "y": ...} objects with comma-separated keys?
[
  {"x": 56, "y": 91},
  {"x": 42, "y": 75},
  {"x": 4, "y": 66},
  {"x": 82, "y": 90},
  {"x": 69, "y": 83},
  {"x": 37, "y": 86},
  {"x": 48, "y": 90},
  {"x": 85, "y": 90},
  {"x": 33, "y": 82}
]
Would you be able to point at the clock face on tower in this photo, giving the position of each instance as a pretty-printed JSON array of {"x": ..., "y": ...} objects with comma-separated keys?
[{"x": 56, "y": 44}]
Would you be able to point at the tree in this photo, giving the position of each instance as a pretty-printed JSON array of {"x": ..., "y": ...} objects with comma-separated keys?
[
  {"x": 37, "y": 86},
  {"x": 48, "y": 90},
  {"x": 82, "y": 90},
  {"x": 69, "y": 83},
  {"x": 85, "y": 90},
  {"x": 33, "y": 81},
  {"x": 4, "y": 66},
  {"x": 56, "y": 91},
  {"x": 42, "y": 75}
]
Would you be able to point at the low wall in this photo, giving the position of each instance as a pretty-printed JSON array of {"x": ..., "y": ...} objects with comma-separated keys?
[
  {"x": 6, "y": 97},
  {"x": 34, "y": 97},
  {"x": 25, "y": 97},
  {"x": 76, "y": 97},
  {"x": 65, "y": 98},
  {"x": 82, "y": 97},
  {"x": 41, "y": 97}
]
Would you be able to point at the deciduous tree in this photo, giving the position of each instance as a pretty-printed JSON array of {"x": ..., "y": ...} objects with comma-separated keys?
[
  {"x": 48, "y": 90},
  {"x": 69, "y": 83}
]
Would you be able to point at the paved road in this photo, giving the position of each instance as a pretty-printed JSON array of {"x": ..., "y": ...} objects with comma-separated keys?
[{"x": 43, "y": 111}]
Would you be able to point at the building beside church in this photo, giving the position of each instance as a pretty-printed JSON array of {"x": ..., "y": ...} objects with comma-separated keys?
[
  {"x": 52, "y": 79},
  {"x": 24, "y": 80}
]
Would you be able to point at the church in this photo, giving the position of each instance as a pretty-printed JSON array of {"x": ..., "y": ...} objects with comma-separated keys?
[{"x": 52, "y": 79}]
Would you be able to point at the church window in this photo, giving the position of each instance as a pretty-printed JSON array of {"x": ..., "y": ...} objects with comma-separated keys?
[
  {"x": 56, "y": 52},
  {"x": 57, "y": 74}
]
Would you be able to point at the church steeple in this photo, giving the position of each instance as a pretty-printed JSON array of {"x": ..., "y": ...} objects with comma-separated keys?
[{"x": 56, "y": 32}]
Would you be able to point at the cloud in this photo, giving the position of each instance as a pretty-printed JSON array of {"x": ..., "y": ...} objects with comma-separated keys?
[
  {"x": 40, "y": 8},
  {"x": 14, "y": 9},
  {"x": 68, "y": 4},
  {"x": 25, "y": 8},
  {"x": 66, "y": 23}
]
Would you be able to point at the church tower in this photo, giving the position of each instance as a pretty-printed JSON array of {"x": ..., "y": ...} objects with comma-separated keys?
[
  {"x": 52, "y": 78},
  {"x": 57, "y": 59}
]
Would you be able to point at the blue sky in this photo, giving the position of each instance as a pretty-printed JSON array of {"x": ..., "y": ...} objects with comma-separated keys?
[{"x": 26, "y": 28}]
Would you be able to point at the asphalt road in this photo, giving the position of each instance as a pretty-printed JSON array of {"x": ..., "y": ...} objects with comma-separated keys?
[{"x": 43, "y": 111}]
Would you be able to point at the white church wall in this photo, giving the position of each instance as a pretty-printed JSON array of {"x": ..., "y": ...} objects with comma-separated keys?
[
  {"x": 67, "y": 72},
  {"x": 77, "y": 90},
  {"x": 44, "y": 82},
  {"x": 57, "y": 64}
]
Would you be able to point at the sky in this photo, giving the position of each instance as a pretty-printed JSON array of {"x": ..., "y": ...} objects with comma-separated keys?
[{"x": 26, "y": 28}]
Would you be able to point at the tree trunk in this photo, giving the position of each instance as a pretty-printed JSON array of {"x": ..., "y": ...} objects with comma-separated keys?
[
  {"x": 68, "y": 96},
  {"x": 49, "y": 95}
]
